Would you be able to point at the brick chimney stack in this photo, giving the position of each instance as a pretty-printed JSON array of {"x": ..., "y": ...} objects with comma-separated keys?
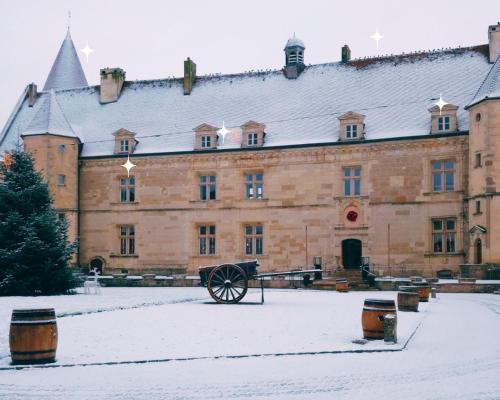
[
  {"x": 346, "y": 54},
  {"x": 494, "y": 41},
  {"x": 32, "y": 94},
  {"x": 189, "y": 75},
  {"x": 112, "y": 80}
]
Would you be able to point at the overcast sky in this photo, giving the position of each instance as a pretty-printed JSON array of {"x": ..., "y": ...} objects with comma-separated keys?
[{"x": 151, "y": 38}]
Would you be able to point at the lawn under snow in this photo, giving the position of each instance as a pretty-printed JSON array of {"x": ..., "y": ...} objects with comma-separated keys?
[
  {"x": 454, "y": 354},
  {"x": 290, "y": 321}
]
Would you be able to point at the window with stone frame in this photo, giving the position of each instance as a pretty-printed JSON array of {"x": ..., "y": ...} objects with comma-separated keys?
[
  {"x": 478, "y": 207},
  {"x": 253, "y": 139},
  {"x": 352, "y": 181},
  {"x": 124, "y": 145},
  {"x": 208, "y": 187},
  {"x": 254, "y": 185},
  {"x": 444, "y": 123},
  {"x": 61, "y": 180},
  {"x": 127, "y": 239},
  {"x": 351, "y": 131},
  {"x": 206, "y": 141},
  {"x": 443, "y": 176},
  {"x": 206, "y": 240},
  {"x": 444, "y": 235},
  {"x": 254, "y": 239},
  {"x": 127, "y": 189},
  {"x": 479, "y": 162}
]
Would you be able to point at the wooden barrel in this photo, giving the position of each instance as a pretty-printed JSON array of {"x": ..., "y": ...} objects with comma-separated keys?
[
  {"x": 408, "y": 301},
  {"x": 341, "y": 285},
  {"x": 423, "y": 290},
  {"x": 33, "y": 336},
  {"x": 411, "y": 289},
  {"x": 372, "y": 318}
]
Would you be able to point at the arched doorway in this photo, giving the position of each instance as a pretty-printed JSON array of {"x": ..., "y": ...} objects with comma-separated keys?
[
  {"x": 478, "y": 252},
  {"x": 97, "y": 264},
  {"x": 351, "y": 253}
]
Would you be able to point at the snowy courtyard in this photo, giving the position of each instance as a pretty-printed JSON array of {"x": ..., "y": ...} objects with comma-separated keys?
[{"x": 175, "y": 343}]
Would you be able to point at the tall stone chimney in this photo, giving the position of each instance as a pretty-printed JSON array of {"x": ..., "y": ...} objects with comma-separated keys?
[
  {"x": 32, "y": 94},
  {"x": 346, "y": 54},
  {"x": 111, "y": 84},
  {"x": 494, "y": 41},
  {"x": 189, "y": 75}
]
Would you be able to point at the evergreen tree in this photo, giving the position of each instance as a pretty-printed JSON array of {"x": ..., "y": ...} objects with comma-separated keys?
[{"x": 34, "y": 248}]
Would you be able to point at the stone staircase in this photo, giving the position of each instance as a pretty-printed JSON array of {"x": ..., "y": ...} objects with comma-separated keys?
[{"x": 353, "y": 277}]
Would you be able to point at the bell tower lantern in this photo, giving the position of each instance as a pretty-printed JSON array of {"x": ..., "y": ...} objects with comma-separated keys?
[{"x": 294, "y": 57}]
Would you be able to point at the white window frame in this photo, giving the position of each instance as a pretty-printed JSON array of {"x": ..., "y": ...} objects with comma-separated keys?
[
  {"x": 253, "y": 139},
  {"x": 351, "y": 131},
  {"x": 206, "y": 141},
  {"x": 124, "y": 145},
  {"x": 444, "y": 123},
  {"x": 61, "y": 180}
]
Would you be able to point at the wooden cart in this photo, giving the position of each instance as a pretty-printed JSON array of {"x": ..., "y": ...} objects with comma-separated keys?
[{"x": 228, "y": 283}]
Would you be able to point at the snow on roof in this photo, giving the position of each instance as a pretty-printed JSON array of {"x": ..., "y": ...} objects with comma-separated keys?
[
  {"x": 394, "y": 93},
  {"x": 294, "y": 41},
  {"x": 490, "y": 88},
  {"x": 66, "y": 72},
  {"x": 49, "y": 118}
]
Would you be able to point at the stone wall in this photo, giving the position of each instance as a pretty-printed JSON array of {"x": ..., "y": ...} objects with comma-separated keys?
[{"x": 302, "y": 187}]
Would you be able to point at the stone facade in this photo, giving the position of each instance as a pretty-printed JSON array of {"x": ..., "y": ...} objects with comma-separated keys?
[{"x": 301, "y": 187}]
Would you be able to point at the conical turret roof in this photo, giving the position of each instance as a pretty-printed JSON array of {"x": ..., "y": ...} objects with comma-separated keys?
[
  {"x": 50, "y": 119},
  {"x": 66, "y": 72}
]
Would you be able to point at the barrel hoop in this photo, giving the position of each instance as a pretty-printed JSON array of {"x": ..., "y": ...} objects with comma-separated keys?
[
  {"x": 32, "y": 314},
  {"x": 26, "y": 353},
  {"x": 41, "y": 322},
  {"x": 378, "y": 309},
  {"x": 381, "y": 303}
]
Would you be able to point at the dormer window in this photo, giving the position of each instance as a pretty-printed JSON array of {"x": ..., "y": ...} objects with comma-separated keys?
[
  {"x": 206, "y": 142},
  {"x": 445, "y": 119},
  {"x": 351, "y": 131},
  {"x": 252, "y": 134},
  {"x": 444, "y": 123},
  {"x": 124, "y": 145},
  {"x": 125, "y": 142},
  {"x": 352, "y": 126},
  {"x": 205, "y": 137},
  {"x": 253, "y": 139}
]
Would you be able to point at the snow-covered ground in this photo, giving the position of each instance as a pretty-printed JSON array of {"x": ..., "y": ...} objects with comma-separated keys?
[{"x": 453, "y": 354}]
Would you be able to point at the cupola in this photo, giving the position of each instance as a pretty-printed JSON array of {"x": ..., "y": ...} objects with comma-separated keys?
[{"x": 294, "y": 57}]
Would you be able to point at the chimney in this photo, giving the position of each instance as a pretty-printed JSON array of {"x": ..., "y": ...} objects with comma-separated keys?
[
  {"x": 111, "y": 84},
  {"x": 189, "y": 75},
  {"x": 32, "y": 94},
  {"x": 346, "y": 54},
  {"x": 494, "y": 41}
]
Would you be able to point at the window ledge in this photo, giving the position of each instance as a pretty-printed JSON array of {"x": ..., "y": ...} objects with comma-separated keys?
[
  {"x": 441, "y": 193},
  {"x": 124, "y": 255},
  {"x": 206, "y": 256},
  {"x": 361, "y": 197},
  {"x": 457, "y": 254},
  {"x": 215, "y": 201},
  {"x": 120, "y": 203},
  {"x": 478, "y": 213},
  {"x": 257, "y": 200}
]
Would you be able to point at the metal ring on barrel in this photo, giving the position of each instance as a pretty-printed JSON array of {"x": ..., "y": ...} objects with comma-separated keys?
[{"x": 227, "y": 283}]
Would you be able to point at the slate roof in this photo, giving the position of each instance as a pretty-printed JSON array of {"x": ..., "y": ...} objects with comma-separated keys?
[
  {"x": 49, "y": 119},
  {"x": 66, "y": 72},
  {"x": 394, "y": 93},
  {"x": 490, "y": 88}
]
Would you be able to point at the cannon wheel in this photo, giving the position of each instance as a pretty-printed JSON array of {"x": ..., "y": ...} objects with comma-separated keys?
[{"x": 227, "y": 283}]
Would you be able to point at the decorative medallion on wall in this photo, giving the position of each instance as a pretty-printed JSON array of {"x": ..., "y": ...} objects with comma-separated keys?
[{"x": 352, "y": 216}]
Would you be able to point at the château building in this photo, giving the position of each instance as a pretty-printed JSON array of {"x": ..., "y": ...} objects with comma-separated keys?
[{"x": 344, "y": 160}]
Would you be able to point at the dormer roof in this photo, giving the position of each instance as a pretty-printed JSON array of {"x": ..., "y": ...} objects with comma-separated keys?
[{"x": 351, "y": 115}]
